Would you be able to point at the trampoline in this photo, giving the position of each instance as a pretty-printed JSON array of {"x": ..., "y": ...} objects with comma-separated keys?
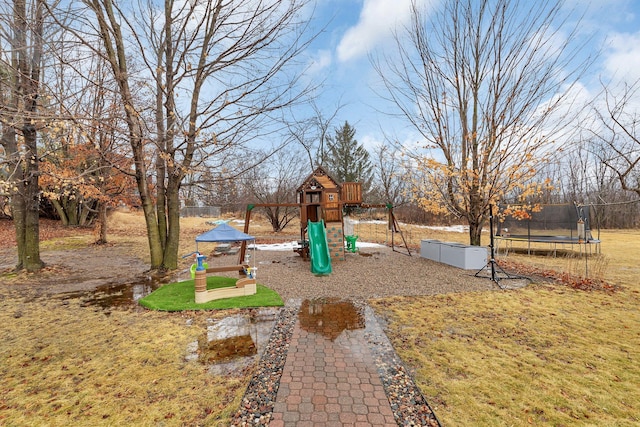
[{"x": 563, "y": 225}]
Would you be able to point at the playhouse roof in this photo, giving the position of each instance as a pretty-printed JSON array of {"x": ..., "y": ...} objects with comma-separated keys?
[
  {"x": 320, "y": 177},
  {"x": 223, "y": 233}
]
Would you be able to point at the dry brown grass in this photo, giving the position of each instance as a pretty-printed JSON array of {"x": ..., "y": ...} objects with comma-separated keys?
[
  {"x": 63, "y": 364},
  {"x": 543, "y": 355}
]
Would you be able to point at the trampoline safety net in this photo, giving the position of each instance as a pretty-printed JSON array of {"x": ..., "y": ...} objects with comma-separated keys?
[{"x": 553, "y": 223}]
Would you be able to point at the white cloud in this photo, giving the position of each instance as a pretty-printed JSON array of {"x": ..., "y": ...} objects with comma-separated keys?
[
  {"x": 622, "y": 61},
  {"x": 320, "y": 61},
  {"x": 378, "y": 19},
  {"x": 369, "y": 142}
]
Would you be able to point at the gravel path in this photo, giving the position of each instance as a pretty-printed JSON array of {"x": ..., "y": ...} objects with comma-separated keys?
[{"x": 370, "y": 273}]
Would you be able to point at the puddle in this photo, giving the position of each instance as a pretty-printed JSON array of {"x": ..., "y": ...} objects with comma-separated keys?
[
  {"x": 113, "y": 296},
  {"x": 329, "y": 317},
  {"x": 234, "y": 342}
]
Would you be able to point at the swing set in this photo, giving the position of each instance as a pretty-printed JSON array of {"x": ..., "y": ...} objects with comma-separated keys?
[{"x": 321, "y": 199}]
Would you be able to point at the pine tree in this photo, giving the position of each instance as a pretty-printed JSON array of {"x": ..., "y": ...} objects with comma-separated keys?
[{"x": 347, "y": 160}]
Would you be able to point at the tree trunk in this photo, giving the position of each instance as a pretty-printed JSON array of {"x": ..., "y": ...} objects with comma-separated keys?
[
  {"x": 161, "y": 200},
  {"x": 17, "y": 191},
  {"x": 72, "y": 211},
  {"x": 102, "y": 221},
  {"x": 475, "y": 233},
  {"x": 85, "y": 212},
  {"x": 31, "y": 237},
  {"x": 23, "y": 158},
  {"x": 173, "y": 215},
  {"x": 475, "y": 214},
  {"x": 148, "y": 208},
  {"x": 60, "y": 211},
  {"x": 18, "y": 212},
  {"x": 115, "y": 53}
]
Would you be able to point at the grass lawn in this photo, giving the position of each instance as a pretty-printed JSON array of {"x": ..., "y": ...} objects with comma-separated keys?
[
  {"x": 543, "y": 355},
  {"x": 546, "y": 355},
  {"x": 180, "y": 296},
  {"x": 68, "y": 365}
]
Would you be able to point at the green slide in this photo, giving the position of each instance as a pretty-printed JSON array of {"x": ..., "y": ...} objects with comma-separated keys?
[{"x": 318, "y": 247}]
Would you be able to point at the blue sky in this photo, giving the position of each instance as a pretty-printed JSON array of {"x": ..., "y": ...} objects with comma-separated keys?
[{"x": 357, "y": 28}]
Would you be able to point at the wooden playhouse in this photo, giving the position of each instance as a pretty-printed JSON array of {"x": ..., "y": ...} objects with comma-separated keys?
[{"x": 322, "y": 198}]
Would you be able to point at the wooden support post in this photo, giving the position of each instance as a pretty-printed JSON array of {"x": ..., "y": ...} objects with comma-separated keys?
[{"x": 243, "y": 245}]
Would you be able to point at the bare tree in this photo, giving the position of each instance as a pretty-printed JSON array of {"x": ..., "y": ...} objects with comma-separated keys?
[
  {"x": 618, "y": 135},
  {"x": 22, "y": 32},
  {"x": 615, "y": 142},
  {"x": 195, "y": 79},
  {"x": 82, "y": 159},
  {"x": 483, "y": 82},
  {"x": 389, "y": 185},
  {"x": 275, "y": 182},
  {"x": 313, "y": 133}
]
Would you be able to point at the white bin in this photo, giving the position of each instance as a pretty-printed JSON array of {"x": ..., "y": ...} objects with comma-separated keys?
[
  {"x": 463, "y": 256},
  {"x": 430, "y": 249}
]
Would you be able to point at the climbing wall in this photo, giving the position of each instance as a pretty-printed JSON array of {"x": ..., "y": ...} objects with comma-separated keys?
[{"x": 335, "y": 241}]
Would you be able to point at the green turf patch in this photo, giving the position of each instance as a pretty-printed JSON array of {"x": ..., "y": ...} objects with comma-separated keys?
[{"x": 180, "y": 296}]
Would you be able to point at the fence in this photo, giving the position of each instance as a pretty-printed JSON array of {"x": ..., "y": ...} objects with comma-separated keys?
[{"x": 203, "y": 211}]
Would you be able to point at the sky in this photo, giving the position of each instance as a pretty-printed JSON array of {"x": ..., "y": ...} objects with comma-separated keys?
[{"x": 356, "y": 29}]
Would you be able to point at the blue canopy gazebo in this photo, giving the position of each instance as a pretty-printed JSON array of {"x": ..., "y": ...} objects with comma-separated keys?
[
  {"x": 246, "y": 285},
  {"x": 224, "y": 233}
]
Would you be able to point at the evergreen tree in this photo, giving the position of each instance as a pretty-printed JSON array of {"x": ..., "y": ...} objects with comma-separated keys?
[{"x": 347, "y": 160}]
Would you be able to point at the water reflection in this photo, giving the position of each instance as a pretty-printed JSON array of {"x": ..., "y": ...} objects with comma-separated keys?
[
  {"x": 234, "y": 342},
  {"x": 113, "y": 295},
  {"x": 329, "y": 317}
]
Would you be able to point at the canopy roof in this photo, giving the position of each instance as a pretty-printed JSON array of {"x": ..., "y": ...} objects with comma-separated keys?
[{"x": 223, "y": 233}]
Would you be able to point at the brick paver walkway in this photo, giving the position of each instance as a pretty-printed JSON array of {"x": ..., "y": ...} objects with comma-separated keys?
[{"x": 329, "y": 377}]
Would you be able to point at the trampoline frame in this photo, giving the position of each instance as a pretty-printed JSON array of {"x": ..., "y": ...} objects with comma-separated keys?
[{"x": 553, "y": 242}]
